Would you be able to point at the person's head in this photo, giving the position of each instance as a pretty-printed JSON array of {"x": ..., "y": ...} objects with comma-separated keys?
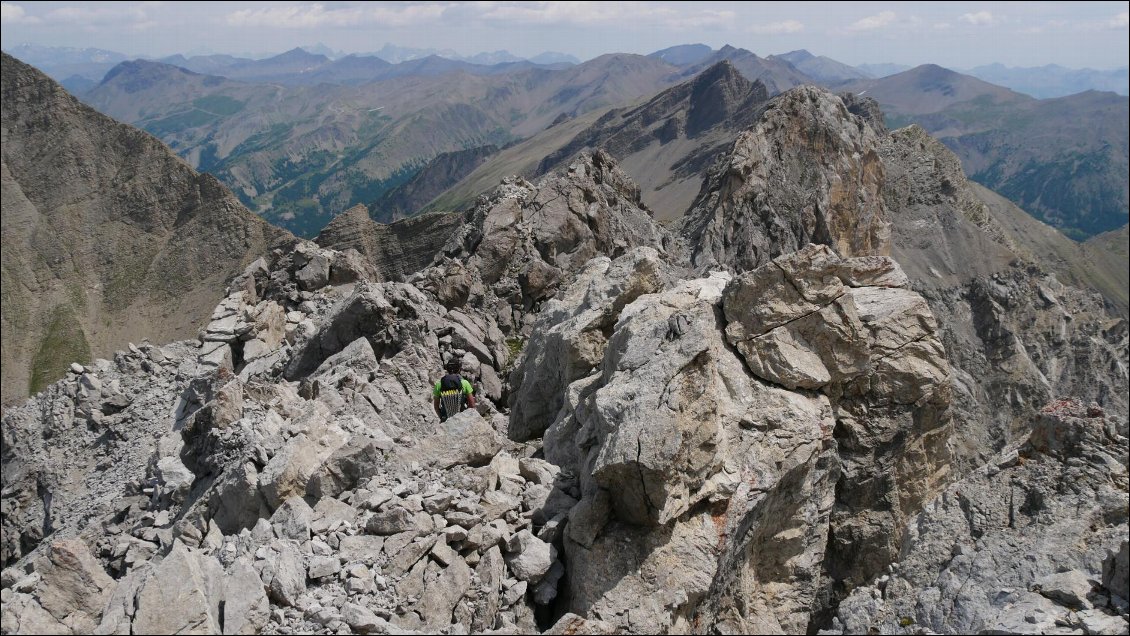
[{"x": 453, "y": 365}]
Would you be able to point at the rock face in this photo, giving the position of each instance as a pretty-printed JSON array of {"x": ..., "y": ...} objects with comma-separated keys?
[
  {"x": 1004, "y": 550},
  {"x": 807, "y": 171},
  {"x": 572, "y": 332},
  {"x": 782, "y": 445},
  {"x": 400, "y": 248},
  {"x": 525, "y": 241},
  {"x": 689, "y": 447},
  {"x": 108, "y": 236}
]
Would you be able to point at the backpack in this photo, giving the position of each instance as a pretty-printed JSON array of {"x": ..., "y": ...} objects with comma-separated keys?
[{"x": 451, "y": 396}]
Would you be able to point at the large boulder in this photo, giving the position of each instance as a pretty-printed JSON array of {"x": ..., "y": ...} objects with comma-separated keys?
[
  {"x": 726, "y": 481},
  {"x": 73, "y": 587},
  {"x": 463, "y": 439}
]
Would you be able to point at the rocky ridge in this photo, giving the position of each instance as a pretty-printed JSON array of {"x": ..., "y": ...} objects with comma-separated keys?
[{"x": 686, "y": 433}]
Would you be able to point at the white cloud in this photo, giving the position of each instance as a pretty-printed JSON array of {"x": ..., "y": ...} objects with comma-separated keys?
[
  {"x": 560, "y": 12},
  {"x": 700, "y": 19},
  {"x": 942, "y": 26},
  {"x": 11, "y": 12},
  {"x": 981, "y": 17},
  {"x": 872, "y": 22},
  {"x": 777, "y": 28},
  {"x": 626, "y": 14},
  {"x": 1120, "y": 21},
  {"x": 133, "y": 16},
  {"x": 317, "y": 15}
]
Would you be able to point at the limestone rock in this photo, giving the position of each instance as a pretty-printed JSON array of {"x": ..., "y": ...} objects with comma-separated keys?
[
  {"x": 528, "y": 557},
  {"x": 1070, "y": 589},
  {"x": 980, "y": 545},
  {"x": 289, "y": 471},
  {"x": 442, "y": 593},
  {"x": 246, "y": 609},
  {"x": 835, "y": 329},
  {"x": 569, "y": 342},
  {"x": 285, "y": 573},
  {"x": 182, "y": 596},
  {"x": 464, "y": 439},
  {"x": 361, "y": 620},
  {"x": 572, "y": 624},
  {"x": 73, "y": 587},
  {"x": 1116, "y": 571},
  {"x": 392, "y": 521},
  {"x": 292, "y": 519},
  {"x": 830, "y": 184}
]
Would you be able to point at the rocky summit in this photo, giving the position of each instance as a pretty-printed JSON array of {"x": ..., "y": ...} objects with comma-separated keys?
[{"x": 840, "y": 397}]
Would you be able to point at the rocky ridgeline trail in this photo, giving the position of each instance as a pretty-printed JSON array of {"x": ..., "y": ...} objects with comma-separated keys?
[
  {"x": 286, "y": 473},
  {"x": 766, "y": 446}
]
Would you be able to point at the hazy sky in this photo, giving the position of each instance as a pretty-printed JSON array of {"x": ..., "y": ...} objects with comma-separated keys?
[{"x": 954, "y": 34}]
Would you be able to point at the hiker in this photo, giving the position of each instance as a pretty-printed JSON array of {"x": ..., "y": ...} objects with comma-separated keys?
[{"x": 452, "y": 393}]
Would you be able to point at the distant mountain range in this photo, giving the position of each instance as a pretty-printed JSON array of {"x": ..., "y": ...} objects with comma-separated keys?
[
  {"x": 75, "y": 64},
  {"x": 1053, "y": 80},
  {"x": 304, "y": 135},
  {"x": 300, "y": 154}
]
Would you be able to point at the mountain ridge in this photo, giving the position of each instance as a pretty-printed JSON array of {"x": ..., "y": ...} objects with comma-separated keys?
[
  {"x": 757, "y": 422},
  {"x": 133, "y": 244}
]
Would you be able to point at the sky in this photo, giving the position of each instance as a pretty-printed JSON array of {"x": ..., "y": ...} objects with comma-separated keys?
[{"x": 952, "y": 34}]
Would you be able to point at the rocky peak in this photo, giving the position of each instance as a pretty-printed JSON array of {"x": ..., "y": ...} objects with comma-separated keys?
[
  {"x": 524, "y": 241},
  {"x": 797, "y": 56},
  {"x": 694, "y": 446},
  {"x": 808, "y": 171},
  {"x": 715, "y": 95}
]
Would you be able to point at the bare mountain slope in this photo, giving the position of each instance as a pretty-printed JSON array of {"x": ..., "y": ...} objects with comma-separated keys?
[
  {"x": 439, "y": 174},
  {"x": 930, "y": 88},
  {"x": 1064, "y": 160},
  {"x": 665, "y": 143},
  {"x": 776, "y": 74},
  {"x": 821, "y": 68},
  {"x": 1099, "y": 263},
  {"x": 107, "y": 236}
]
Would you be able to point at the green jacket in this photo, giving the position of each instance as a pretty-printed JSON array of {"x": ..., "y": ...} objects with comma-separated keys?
[{"x": 467, "y": 388}]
